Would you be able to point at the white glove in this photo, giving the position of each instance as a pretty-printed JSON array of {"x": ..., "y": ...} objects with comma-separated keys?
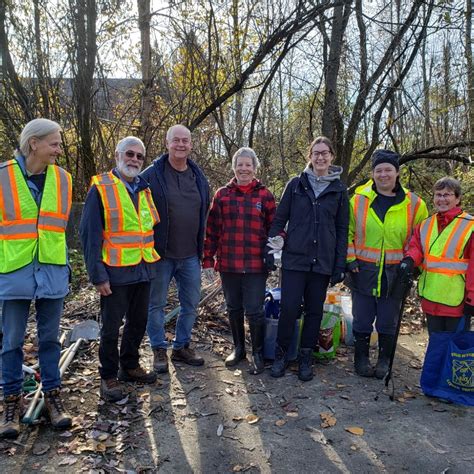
[
  {"x": 275, "y": 243},
  {"x": 209, "y": 275}
]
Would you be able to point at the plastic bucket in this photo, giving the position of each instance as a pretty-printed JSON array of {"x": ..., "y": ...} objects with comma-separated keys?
[{"x": 271, "y": 329}]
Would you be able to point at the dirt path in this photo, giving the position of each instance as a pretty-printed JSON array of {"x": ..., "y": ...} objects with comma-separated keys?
[{"x": 213, "y": 419}]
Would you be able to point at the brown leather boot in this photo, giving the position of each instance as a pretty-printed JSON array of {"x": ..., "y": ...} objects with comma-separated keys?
[
  {"x": 12, "y": 411},
  {"x": 186, "y": 355},
  {"x": 112, "y": 390},
  {"x": 139, "y": 374},
  {"x": 58, "y": 415},
  {"x": 160, "y": 360}
]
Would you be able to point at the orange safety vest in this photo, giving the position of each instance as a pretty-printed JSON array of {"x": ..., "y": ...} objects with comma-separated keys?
[{"x": 128, "y": 233}]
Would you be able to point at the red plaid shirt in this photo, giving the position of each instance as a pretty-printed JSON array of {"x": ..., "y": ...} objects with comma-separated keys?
[{"x": 237, "y": 228}]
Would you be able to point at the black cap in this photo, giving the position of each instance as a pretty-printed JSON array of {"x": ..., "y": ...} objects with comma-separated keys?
[{"x": 385, "y": 156}]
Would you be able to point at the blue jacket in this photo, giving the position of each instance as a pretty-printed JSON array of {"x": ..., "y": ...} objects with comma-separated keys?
[
  {"x": 35, "y": 280},
  {"x": 91, "y": 231},
  {"x": 155, "y": 175},
  {"x": 316, "y": 228}
]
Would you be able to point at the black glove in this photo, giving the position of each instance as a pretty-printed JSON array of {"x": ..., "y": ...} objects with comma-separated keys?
[
  {"x": 468, "y": 309},
  {"x": 336, "y": 278},
  {"x": 269, "y": 260},
  {"x": 404, "y": 278},
  {"x": 351, "y": 266}
]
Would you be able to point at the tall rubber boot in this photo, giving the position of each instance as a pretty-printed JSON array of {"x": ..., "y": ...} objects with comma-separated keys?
[
  {"x": 257, "y": 327},
  {"x": 361, "y": 355},
  {"x": 386, "y": 343},
  {"x": 280, "y": 363},
  {"x": 238, "y": 334},
  {"x": 305, "y": 364}
]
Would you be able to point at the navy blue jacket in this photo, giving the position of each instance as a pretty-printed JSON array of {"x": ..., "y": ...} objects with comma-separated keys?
[
  {"x": 91, "y": 232},
  {"x": 316, "y": 235},
  {"x": 155, "y": 175}
]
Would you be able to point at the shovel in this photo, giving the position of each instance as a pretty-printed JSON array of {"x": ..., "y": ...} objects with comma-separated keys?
[{"x": 85, "y": 331}]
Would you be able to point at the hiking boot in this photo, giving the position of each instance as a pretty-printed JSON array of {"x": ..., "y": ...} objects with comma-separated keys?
[
  {"x": 305, "y": 365},
  {"x": 160, "y": 360},
  {"x": 12, "y": 412},
  {"x": 112, "y": 390},
  {"x": 58, "y": 415},
  {"x": 280, "y": 363},
  {"x": 186, "y": 355},
  {"x": 386, "y": 345},
  {"x": 138, "y": 374},
  {"x": 361, "y": 355}
]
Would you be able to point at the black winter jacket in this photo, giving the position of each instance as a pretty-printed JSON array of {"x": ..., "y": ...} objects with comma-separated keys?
[
  {"x": 155, "y": 176},
  {"x": 316, "y": 229}
]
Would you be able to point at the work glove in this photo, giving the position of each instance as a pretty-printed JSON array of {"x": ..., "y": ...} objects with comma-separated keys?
[
  {"x": 209, "y": 275},
  {"x": 404, "y": 278},
  {"x": 468, "y": 309},
  {"x": 336, "y": 278},
  {"x": 352, "y": 266},
  {"x": 275, "y": 244},
  {"x": 269, "y": 259}
]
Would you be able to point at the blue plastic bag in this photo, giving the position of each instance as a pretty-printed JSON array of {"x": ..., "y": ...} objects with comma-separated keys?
[{"x": 448, "y": 370}]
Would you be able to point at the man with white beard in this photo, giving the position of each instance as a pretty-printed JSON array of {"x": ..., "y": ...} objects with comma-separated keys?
[{"x": 117, "y": 238}]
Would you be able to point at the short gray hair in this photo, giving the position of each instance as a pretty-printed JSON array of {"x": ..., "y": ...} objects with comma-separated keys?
[
  {"x": 171, "y": 130},
  {"x": 37, "y": 128},
  {"x": 245, "y": 151},
  {"x": 126, "y": 142}
]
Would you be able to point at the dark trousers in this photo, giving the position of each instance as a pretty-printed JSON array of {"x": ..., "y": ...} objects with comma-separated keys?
[
  {"x": 244, "y": 294},
  {"x": 441, "y": 323},
  {"x": 130, "y": 301},
  {"x": 301, "y": 287},
  {"x": 367, "y": 309}
]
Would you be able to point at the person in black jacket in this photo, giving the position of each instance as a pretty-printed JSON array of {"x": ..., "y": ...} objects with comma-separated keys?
[
  {"x": 313, "y": 218},
  {"x": 181, "y": 195}
]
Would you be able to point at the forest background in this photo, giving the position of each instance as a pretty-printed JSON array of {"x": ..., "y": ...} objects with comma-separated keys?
[{"x": 270, "y": 74}]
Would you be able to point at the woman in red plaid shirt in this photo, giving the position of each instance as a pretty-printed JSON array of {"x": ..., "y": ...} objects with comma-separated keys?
[{"x": 237, "y": 231}]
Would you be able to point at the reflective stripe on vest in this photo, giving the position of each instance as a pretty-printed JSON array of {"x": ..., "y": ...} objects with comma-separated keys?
[
  {"x": 128, "y": 234},
  {"x": 443, "y": 265},
  {"x": 24, "y": 229},
  {"x": 370, "y": 254}
]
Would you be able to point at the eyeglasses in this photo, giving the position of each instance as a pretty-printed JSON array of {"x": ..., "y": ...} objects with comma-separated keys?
[
  {"x": 443, "y": 196},
  {"x": 131, "y": 154},
  {"x": 323, "y": 154}
]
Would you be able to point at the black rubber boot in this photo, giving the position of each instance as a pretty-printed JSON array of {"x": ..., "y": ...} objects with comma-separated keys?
[
  {"x": 257, "y": 365},
  {"x": 305, "y": 364},
  {"x": 238, "y": 334},
  {"x": 280, "y": 363},
  {"x": 361, "y": 355},
  {"x": 386, "y": 343}
]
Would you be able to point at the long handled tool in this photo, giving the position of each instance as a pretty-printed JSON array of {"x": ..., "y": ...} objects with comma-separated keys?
[
  {"x": 85, "y": 331},
  {"x": 406, "y": 286}
]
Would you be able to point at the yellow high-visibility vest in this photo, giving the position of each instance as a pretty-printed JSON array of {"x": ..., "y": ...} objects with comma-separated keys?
[
  {"x": 128, "y": 233},
  {"x": 25, "y": 230},
  {"x": 381, "y": 244},
  {"x": 444, "y": 268}
]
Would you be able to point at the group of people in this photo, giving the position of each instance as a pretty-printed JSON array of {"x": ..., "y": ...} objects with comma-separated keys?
[{"x": 140, "y": 229}]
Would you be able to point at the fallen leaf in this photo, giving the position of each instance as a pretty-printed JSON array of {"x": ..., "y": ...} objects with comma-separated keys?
[
  {"x": 252, "y": 419},
  {"x": 280, "y": 422},
  {"x": 237, "y": 468},
  {"x": 220, "y": 429},
  {"x": 67, "y": 461},
  {"x": 229, "y": 391},
  {"x": 409, "y": 394},
  {"x": 238, "y": 418},
  {"x": 40, "y": 448},
  {"x": 292, "y": 414},
  {"x": 354, "y": 448},
  {"x": 157, "y": 398},
  {"x": 179, "y": 403},
  {"x": 123, "y": 401},
  {"x": 355, "y": 430},
  {"x": 237, "y": 373},
  {"x": 327, "y": 420}
]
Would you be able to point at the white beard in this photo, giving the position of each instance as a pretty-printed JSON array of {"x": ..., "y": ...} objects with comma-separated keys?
[{"x": 127, "y": 171}]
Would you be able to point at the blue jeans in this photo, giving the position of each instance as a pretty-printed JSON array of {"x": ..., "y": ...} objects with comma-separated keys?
[
  {"x": 15, "y": 318},
  {"x": 187, "y": 274}
]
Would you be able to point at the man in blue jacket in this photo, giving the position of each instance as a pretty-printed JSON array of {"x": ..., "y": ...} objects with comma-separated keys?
[{"x": 181, "y": 195}]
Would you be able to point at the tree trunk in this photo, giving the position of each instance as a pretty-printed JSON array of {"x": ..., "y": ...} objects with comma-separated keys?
[{"x": 470, "y": 74}]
